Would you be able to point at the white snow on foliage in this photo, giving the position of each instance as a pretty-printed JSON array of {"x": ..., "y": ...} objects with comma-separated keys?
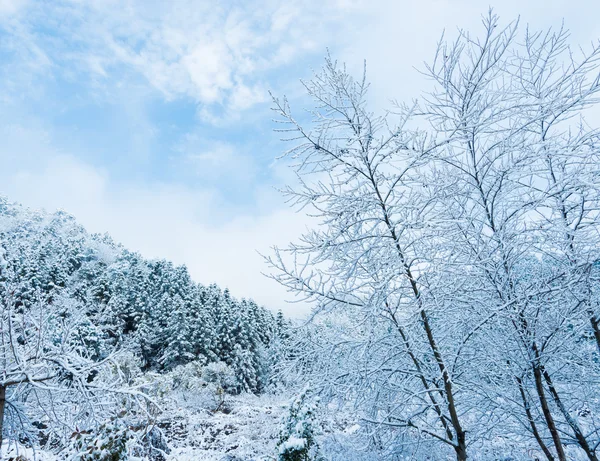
[
  {"x": 293, "y": 443},
  {"x": 248, "y": 430}
]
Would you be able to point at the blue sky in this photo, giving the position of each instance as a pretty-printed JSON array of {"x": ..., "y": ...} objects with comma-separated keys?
[{"x": 150, "y": 120}]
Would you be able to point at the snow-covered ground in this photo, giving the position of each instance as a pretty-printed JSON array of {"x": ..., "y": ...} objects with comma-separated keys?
[
  {"x": 246, "y": 429},
  {"x": 249, "y": 431}
]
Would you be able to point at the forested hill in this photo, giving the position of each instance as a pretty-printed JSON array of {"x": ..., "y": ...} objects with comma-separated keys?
[{"x": 150, "y": 306}]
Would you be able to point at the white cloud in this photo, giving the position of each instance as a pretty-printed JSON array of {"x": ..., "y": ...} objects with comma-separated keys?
[
  {"x": 216, "y": 162},
  {"x": 9, "y": 7},
  {"x": 209, "y": 68},
  {"x": 222, "y": 52},
  {"x": 215, "y": 53},
  {"x": 244, "y": 97}
]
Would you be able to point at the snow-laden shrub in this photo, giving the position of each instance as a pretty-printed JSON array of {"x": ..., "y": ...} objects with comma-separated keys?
[
  {"x": 297, "y": 438},
  {"x": 188, "y": 377},
  {"x": 108, "y": 443},
  {"x": 220, "y": 380},
  {"x": 221, "y": 375},
  {"x": 152, "y": 445},
  {"x": 129, "y": 366}
]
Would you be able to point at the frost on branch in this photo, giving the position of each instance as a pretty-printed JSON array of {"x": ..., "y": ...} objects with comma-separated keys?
[{"x": 453, "y": 263}]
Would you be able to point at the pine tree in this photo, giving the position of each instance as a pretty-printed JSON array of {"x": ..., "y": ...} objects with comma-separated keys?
[
  {"x": 297, "y": 438},
  {"x": 150, "y": 307}
]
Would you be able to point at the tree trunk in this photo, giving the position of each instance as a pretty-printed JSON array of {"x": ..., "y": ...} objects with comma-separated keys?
[
  {"x": 523, "y": 327},
  {"x": 2, "y": 405},
  {"x": 461, "y": 449},
  {"x": 596, "y": 328},
  {"x": 461, "y": 443},
  {"x": 581, "y": 440},
  {"x": 421, "y": 375},
  {"x": 531, "y": 420},
  {"x": 539, "y": 385}
]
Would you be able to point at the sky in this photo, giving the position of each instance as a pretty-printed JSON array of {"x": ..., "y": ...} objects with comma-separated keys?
[{"x": 151, "y": 120}]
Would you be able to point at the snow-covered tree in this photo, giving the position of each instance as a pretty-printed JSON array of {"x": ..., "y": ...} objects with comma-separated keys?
[
  {"x": 152, "y": 307},
  {"x": 73, "y": 303},
  {"x": 455, "y": 252},
  {"x": 48, "y": 373},
  {"x": 297, "y": 439}
]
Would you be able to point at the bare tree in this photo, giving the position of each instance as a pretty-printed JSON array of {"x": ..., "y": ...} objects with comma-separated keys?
[
  {"x": 373, "y": 252},
  {"x": 458, "y": 236},
  {"x": 507, "y": 110}
]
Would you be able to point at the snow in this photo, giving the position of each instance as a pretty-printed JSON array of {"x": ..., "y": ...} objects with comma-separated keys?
[
  {"x": 293, "y": 443},
  {"x": 248, "y": 431}
]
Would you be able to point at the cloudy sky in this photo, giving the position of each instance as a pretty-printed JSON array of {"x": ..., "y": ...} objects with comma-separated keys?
[{"x": 151, "y": 120}]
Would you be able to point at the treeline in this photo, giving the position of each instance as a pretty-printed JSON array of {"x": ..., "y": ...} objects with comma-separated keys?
[{"x": 150, "y": 307}]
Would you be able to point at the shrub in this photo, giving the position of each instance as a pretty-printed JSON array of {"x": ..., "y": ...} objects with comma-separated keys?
[
  {"x": 297, "y": 438},
  {"x": 108, "y": 443}
]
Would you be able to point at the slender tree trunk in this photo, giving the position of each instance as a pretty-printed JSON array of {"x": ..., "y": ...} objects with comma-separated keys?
[
  {"x": 531, "y": 421},
  {"x": 523, "y": 327},
  {"x": 539, "y": 385},
  {"x": 581, "y": 440},
  {"x": 2, "y": 405},
  {"x": 461, "y": 449},
  {"x": 461, "y": 443},
  {"x": 422, "y": 377},
  {"x": 596, "y": 328}
]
